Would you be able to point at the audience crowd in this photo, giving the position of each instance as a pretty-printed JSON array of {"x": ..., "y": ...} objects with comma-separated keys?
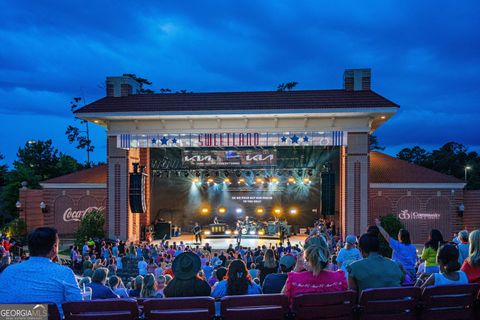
[{"x": 323, "y": 263}]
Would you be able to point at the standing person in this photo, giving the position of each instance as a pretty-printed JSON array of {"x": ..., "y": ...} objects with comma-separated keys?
[
  {"x": 269, "y": 265},
  {"x": 348, "y": 254},
  {"x": 463, "y": 246},
  {"x": 315, "y": 278},
  {"x": 404, "y": 252},
  {"x": 238, "y": 282},
  {"x": 38, "y": 279},
  {"x": 142, "y": 267},
  {"x": 447, "y": 259},
  {"x": 374, "y": 270},
  {"x": 186, "y": 282},
  {"x": 207, "y": 269},
  {"x": 151, "y": 266},
  {"x": 198, "y": 233},
  {"x": 429, "y": 253},
  {"x": 471, "y": 265}
]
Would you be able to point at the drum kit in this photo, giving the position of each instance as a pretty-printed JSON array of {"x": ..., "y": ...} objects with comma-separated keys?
[{"x": 246, "y": 227}]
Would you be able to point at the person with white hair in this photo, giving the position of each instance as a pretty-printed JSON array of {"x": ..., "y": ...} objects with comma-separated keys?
[
  {"x": 471, "y": 265},
  {"x": 463, "y": 246}
]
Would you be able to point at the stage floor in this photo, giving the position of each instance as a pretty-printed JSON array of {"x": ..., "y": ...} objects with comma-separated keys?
[{"x": 223, "y": 243}]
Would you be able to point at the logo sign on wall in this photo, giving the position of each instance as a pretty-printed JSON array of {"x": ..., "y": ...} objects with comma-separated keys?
[
  {"x": 414, "y": 215},
  {"x": 204, "y": 158},
  {"x": 70, "y": 215},
  {"x": 232, "y": 139}
]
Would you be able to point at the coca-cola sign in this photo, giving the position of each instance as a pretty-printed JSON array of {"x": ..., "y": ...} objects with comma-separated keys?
[
  {"x": 71, "y": 215},
  {"x": 414, "y": 215}
]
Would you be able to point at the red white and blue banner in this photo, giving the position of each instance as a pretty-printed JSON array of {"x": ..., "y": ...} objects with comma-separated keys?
[{"x": 232, "y": 139}]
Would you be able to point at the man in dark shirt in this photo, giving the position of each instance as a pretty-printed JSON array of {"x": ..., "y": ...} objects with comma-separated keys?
[
  {"x": 223, "y": 258},
  {"x": 274, "y": 282}
]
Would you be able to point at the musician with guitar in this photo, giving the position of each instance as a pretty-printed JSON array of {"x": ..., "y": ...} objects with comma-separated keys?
[{"x": 197, "y": 231}]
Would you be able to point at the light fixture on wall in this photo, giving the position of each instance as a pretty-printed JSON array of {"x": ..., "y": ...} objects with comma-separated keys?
[
  {"x": 44, "y": 207},
  {"x": 18, "y": 205}
]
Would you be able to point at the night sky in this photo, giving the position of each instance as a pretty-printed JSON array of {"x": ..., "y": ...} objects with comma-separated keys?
[{"x": 424, "y": 55}]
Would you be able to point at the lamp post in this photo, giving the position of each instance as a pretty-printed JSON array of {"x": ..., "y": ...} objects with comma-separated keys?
[{"x": 466, "y": 169}]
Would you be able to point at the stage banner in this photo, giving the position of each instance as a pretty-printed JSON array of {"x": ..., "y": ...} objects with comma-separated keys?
[
  {"x": 197, "y": 158},
  {"x": 232, "y": 139}
]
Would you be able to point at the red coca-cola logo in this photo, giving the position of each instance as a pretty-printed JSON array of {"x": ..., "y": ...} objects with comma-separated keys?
[{"x": 71, "y": 215}]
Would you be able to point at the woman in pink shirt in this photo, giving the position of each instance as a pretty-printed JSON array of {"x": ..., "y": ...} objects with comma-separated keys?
[{"x": 315, "y": 278}]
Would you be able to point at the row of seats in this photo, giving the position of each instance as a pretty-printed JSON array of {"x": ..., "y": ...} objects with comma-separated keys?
[{"x": 438, "y": 303}]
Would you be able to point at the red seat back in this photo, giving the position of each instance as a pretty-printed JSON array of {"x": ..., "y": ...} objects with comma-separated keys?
[
  {"x": 449, "y": 302},
  {"x": 258, "y": 307},
  {"x": 329, "y": 305},
  {"x": 201, "y": 308},
  {"x": 109, "y": 309},
  {"x": 390, "y": 303}
]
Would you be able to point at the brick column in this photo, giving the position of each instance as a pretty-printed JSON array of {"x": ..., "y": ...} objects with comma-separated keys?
[
  {"x": 117, "y": 181},
  {"x": 355, "y": 170}
]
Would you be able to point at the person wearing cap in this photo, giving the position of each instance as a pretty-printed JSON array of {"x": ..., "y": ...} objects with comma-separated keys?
[
  {"x": 404, "y": 252},
  {"x": 185, "y": 282},
  {"x": 348, "y": 254},
  {"x": 274, "y": 282}
]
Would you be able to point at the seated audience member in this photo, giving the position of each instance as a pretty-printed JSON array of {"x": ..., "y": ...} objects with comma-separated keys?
[
  {"x": 238, "y": 282},
  {"x": 274, "y": 282},
  {"x": 471, "y": 265},
  {"x": 348, "y": 254},
  {"x": 161, "y": 283},
  {"x": 137, "y": 285},
  {"x": 207, "y": 270},
  {"x": 463, "y": 246},
  {"x": 429, "y": 253},
  {"x": 315, "y": 278},
  {"x": 117, "y": 286},
  {"x": 404, "y": 252},
  {"x": 99, "y": 289},
  {"x": 447, "y": 259},
  {"x": 374, "y": 270},
  {"x": 149, "y": 288},
  {"x": 268, "y": 265},
  {"x": 185, "y": 282},
  {"x": 38, "y": 279},
  {"x": 217, "y": 276}
]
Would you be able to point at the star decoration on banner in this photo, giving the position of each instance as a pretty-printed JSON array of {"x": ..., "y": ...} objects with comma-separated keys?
[
  {"x": 284, "y": 139},
  {"x": 164, "y": 140},
  {"x": 294, "y": 139},
  {"x": 305, "y": 139},
  {"x": 174, "y": 140},
  {"x": 154, "y": 141}
]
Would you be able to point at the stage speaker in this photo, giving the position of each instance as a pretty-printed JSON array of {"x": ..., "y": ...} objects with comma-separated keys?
[
  {"x": 162, "y": 230},
  {"x": 137, "y": 192},
  {"x": 328, "y": 194}
]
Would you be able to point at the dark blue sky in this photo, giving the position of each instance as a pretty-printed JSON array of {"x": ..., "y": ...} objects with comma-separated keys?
[{"x": 424, "y": 55}]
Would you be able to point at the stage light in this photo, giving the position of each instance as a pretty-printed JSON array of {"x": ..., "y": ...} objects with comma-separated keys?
[
  {"x": 307, "y": 181},
  {"x": 274, "y": 180},
  {"x": 228, "y": 231},
  {"x": 261, "y": 233},
  {"x": 195, "y": 180},
  {"x": 197, "y": 173},
  {"x": 238, "y": 210},
  {"x": 206, "y": 232},
  {"x": 226, "y": 181},
  {"x": 186, "y": 174},
  {"x": 253, "y": 232},
  {"x": 226, "y": 173},
  {"x": 210, "y": 180},
  {"x": 235, "y": 232},
  {"x": 222, "y": 210},
  {"x": 310, "y": 172},
  {"x": 241, "y": 180},
  {"x": 277, "y": 211},
  {"x": 205, "y": 210},
  {"x": 259, "y": 180},
  {"x": 260, "y": 211},
  {"x": 291, "y": 180},
  {"x": 293, "y": 211}
]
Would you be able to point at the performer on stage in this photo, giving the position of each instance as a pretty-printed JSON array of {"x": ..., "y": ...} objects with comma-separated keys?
[
  {"x": 215, "y": 220},
  {"x": 198, "y": 233}
]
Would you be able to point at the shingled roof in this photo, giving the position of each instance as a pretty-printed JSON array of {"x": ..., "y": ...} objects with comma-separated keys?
[
  {"x": 387, "y": 169},
  {"x": 96, "y": 174},
  {"x": 257, "y": 100}
]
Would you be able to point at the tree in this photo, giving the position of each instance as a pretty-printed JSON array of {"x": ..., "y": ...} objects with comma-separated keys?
[
  {"x": 392, "y": 224},
  {"x": 39, "y": 156},
  {"x": 81, "y": 137},
  {"x": 91, "y": 227},
  {"x": 3, "y": 171},
  {"x": 416, "y": 155},
  {"x": 282, "y": 87},
  {"x": 373, "y": 142},
  {"x": 141, "y": 81}
]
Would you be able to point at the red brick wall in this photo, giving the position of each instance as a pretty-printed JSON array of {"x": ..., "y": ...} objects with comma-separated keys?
[
  {"x": 31, "y": 212},
  {"x": 442, "y": 201},
  {"x": 471, "y": 216}
]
